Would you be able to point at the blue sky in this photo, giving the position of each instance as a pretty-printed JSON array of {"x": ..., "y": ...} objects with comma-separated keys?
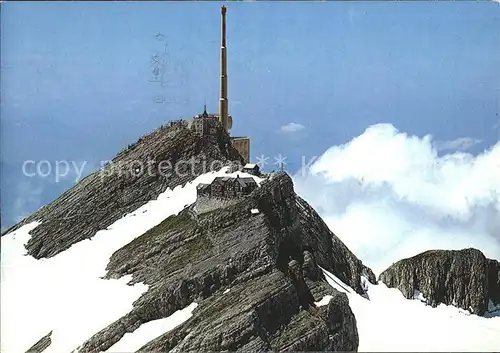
[{"x": 76, "y": 77}]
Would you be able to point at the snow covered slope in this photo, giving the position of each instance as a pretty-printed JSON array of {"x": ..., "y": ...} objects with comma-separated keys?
[
  {"x": 131, "y": 342},
  {"x": 66, "y": 293},
  {"x": 389, "y": 322}
]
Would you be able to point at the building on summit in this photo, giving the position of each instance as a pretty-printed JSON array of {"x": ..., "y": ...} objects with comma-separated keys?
[
  {"x": 227, "y": 188},
  {"x": 204, "y": 123},
  {"x": 252, "y": 169}
]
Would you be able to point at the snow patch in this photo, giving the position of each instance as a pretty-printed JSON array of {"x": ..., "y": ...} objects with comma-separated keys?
[
  {"x": 148, "y": 331},
  {"x": 335, "y": 282},
  {"x": 324, "y": 301},
  {"x": 66, "y": 293},
  {"x": 419, "y": 296}
]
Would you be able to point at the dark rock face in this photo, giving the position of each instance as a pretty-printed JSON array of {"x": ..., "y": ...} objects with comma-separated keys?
[
  {"x": 136, "y": 175},
  {"x": 494, "y": 281},
  {"x": 269, "y": 261},
  {"x": 465, "y": 278},
  {"x": 41, "y": 345}
]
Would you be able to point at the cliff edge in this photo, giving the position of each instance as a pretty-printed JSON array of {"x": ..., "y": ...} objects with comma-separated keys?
[{"x": 463, "y": 278}]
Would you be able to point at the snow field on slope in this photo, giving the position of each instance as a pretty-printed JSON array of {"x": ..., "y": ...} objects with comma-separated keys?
[
  {"x": 66, "y": 293},
  {"x": 389, "y": 322},
  {"x": 133, "y": 341}
]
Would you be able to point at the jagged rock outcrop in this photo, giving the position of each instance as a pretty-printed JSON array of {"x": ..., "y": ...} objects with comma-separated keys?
[
  {"x": 42, "y": 344},
  {"x": 464, "y": 278},
  {"x": 269, "y": 261},
  {"x": 168, "y": 157}
]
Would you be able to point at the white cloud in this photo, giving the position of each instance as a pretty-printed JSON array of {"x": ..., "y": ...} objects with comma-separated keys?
[
  {"x": 388, "y": 196},
  {"x": 459, "y": 144},
  {"x": 291, "y": 128}
]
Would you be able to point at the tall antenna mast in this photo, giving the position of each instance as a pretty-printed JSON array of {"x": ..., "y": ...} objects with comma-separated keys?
[{"x": 223, "y": 102}]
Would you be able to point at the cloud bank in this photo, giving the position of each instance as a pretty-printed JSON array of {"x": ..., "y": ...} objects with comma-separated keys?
[
  {"x": 459, "y": 144},
  {"x": 291, "y": 128},
  {"x": 388, "y": 196}
]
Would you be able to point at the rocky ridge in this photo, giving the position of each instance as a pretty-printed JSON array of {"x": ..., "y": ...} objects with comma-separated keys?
[
  {"x": 269, "y": 261},
  {"x": 464, "y": 278},
  {"x": 42, "y": 344},
  {"x": 169, "y": 156},
  {"x": 256, "y": 277}
]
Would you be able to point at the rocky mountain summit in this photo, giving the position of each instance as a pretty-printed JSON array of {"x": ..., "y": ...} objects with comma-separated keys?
[
  {"x": 464, "y": 278},
  {"x": 250, "y": 269},
  {"x": 254, "y": 268},
  {"x": 169, "y": 156}
]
